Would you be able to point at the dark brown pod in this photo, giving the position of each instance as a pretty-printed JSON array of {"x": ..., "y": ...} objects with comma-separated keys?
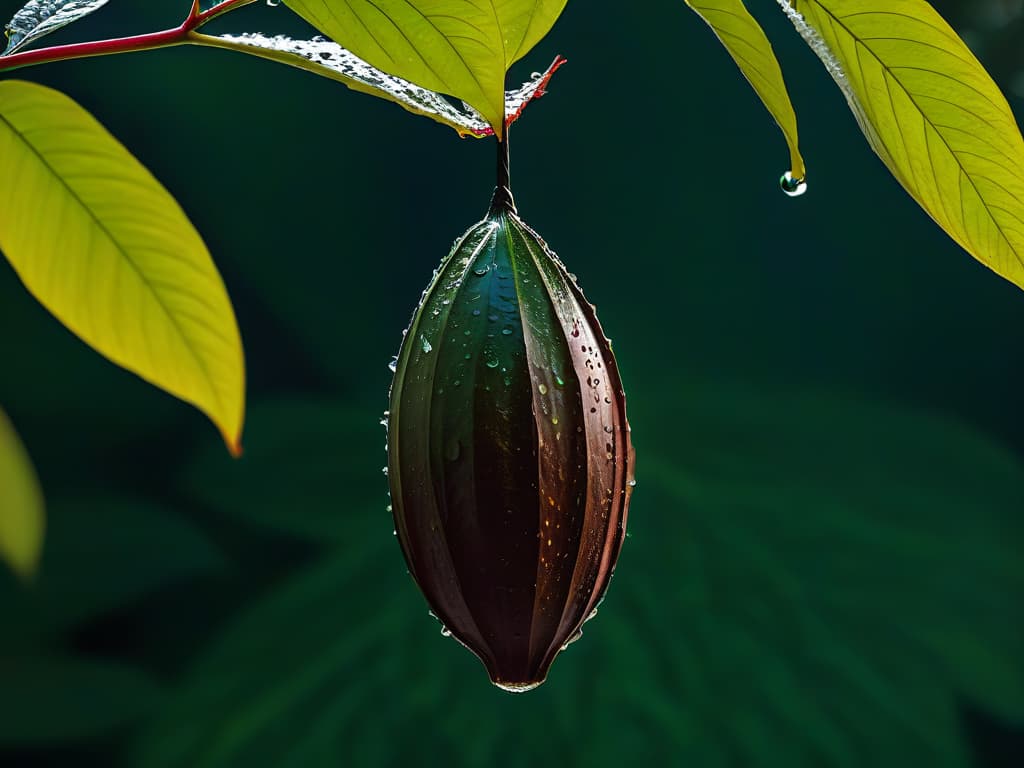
[{"x": 509, "y": 454}]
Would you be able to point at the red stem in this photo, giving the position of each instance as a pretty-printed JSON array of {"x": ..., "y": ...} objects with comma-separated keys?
[{"x": 168, "y": 37}]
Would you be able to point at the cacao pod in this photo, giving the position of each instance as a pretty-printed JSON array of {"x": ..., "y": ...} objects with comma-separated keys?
[{"x": 509, "y": 453}]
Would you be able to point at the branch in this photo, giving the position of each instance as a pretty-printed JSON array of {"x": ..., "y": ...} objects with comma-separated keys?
[{"x": 165, "y": 39}]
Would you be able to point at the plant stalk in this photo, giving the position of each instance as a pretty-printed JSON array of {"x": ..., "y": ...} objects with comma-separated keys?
[
  {"x": 503, "y": 189},
  {"x": 167, "y": 38}
]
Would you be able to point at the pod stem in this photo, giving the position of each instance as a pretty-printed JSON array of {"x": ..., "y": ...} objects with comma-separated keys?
[{"x": 503, "y": 191}]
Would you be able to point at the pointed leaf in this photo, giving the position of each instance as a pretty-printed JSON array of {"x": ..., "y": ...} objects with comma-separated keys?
[
  {"x": 21, "y": 504},
  {"x": 932, "y": 114},
  {"x": 745, "y": 41},
  {"x": 41, "y": 17},
  {"x": 459, "y": 47},
  {"x": 328, "y": 59},
  {"x": 110, "y": 253}
]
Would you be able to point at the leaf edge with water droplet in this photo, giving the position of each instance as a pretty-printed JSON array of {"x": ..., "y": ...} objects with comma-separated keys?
[
  {"x": 53, "y": 20},
  {"x": 733, "y": 24},
  {"x": 978, "y": 138}
]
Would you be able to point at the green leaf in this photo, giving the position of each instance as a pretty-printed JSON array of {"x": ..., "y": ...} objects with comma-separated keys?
[
  {"x": 459, "y": 47},
  {"x": 83, "y": 574},
  {"x": 745, "y": 41},
  {"x": 328, "y": 59},
  {"x": 22, "y": 519},
  {"x": 110, "y": 253},
  {"x": 932, "y": 114},
  {"x": 47, "y": 699},
  {"x": 810, "y": 580},
  {"x": 302, "y": 450},
  {"x": 41, "y": 17}
]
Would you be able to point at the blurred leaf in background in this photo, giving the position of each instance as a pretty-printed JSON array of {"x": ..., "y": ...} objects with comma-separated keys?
[
  {"x": 50, "y": 698},
  {"x": 22, "y": 517},
  {"x": 811, "y": 580},
  {"x": 94, "y": 543},
  {"x": 296, "y": 479},
  {"x": 103, "y": 556}
]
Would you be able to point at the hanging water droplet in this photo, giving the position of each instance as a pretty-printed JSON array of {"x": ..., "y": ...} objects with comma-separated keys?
[
  {"x": 273, "y": 3},
  {"x": 393, "y": 365},
  {"x": 445, "y": 632},
  {"x": 492, "y": 362},
  {"x": 481, "y": 271},
  {"x": 426, "y": 344},
  {"x": 791, "y": 185}
]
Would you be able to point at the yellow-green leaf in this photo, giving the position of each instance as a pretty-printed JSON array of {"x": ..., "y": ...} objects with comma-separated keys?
[
  {"x": 745, "y": 41},
  {"x": 22, "y": 520},
  {"x": 110, "y": 253},
  {"x": 328, "y": 59},
  {"x": 932, "y": 114},
  {"x": 459, "y": 47}
]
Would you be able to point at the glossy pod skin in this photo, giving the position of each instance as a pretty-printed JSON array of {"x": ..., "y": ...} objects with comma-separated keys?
[{"x": 509, "y": 453}]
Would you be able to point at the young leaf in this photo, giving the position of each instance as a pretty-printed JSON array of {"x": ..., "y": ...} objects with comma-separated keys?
[
  {"x": 41, "y": 17},
  {"x": 459, "y": 47},
  {"x": 110, "y": 253},
  {"x": 745, "y": 41},
  {"x": 328, "y": 59},
  {"x": 21, "y": 505},
  {"x": 932, "y": 114}
]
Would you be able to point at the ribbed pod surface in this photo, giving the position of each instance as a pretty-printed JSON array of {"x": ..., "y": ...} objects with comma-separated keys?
[{"x": 509, "y": 453}]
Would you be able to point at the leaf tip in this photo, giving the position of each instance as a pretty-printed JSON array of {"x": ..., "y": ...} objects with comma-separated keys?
[
  {"x": 234, "y": 445},
  {"x": 538, "y": 88},
  {"x": 25, "y": 567}
]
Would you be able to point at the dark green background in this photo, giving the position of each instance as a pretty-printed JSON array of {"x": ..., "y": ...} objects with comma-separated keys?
[{"x": 824, "y": 565}]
